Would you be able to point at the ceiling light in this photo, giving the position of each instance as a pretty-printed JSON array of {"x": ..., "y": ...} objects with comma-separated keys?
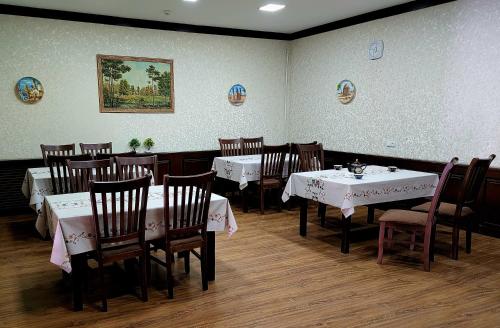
[
  {"x": 271, "y": 7},
  {"x": 190, "y": 0}
]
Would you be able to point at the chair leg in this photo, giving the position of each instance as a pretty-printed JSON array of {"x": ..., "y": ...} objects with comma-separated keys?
[
  {"x": 170, "y": 279},
  {"x": 322, "y": 213},
  {"x": 390, "y": 233},
  {"x": 431, "y": 245},
  {"x": 468, "y": 237},
  {"x": 186, "y": 261},
  {"x": 427, "y": 247},
  {"x": 412, "y": 241},
  {"x": 280, "y": 192},
  {"x": 143, "y": 262},
  {"x": 103, "y": 288},
  {"x": 381, "y": 237},
  {"x": 148, "y": 263},
  {"x": 455, "y": 235},
  {"x": 203, "y": 262},
  {"x": 262, "y": 194}
]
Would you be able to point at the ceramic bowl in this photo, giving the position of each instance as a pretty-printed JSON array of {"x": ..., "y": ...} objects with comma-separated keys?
[
  {"x": 337, "y": 167},
  {"x": 392, "y": 168},
  {"x": 358, "y": 175}
]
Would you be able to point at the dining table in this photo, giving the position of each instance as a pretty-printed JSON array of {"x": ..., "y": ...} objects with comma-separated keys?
[
  {"x": 36, "y": 185},
  {"x": 340, "y": 188},
  {"x": 68, "y": 219}
]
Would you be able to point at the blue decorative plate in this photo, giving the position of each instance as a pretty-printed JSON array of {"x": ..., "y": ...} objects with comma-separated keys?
[
  {"x": 29, "y": 90},
  {"x": 237, "y": 95}
]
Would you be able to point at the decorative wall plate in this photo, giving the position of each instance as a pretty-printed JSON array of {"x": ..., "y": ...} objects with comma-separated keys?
[
  {"x": 237, "y": 95},
  {"x": 29, "y": 90},
  {"x": 346, "y": 91}
]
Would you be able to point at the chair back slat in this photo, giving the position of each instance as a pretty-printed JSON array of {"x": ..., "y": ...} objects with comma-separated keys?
[
  {"x": 252, "y": 146},
  {"x": 272, "y": 161},
  {"x": 311, "y": 157},
  {"x": 231, "y": 147},
  {"x": 189, "y": 213},
  {"x": 59, "y": 176},
  {"x": 57, "y": 150},
  {"x": 96, "y": 148},
  {"x": 436, "y": 199},
  {"x": 474, "y": 180},
  {"x": 80, "y": 172},
  {"x": 123, "y": 226},
  {"x": 135, "y": 167}
]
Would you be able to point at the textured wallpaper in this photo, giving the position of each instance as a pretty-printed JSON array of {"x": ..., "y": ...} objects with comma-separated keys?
[
  {"x": 435, "y": 93},
  {"x": 62, "y": 55}
]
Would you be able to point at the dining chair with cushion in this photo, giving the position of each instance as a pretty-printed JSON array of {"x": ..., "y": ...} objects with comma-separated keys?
[
  {"x": 463, "y": 211},
  {"x": 119, "y": 215},
  {"x": 97, "y": 148},
  {"x": 57, "y": 150},
  {"x": 80, "y": 172},
  {"x": 134, "y": 167},
  {"x": 230, "y": 147},
  {"x": 186, "y": 204},
  {"x": 59, "y": 173},
  {"x": 252, "y": 146},
  {"x": 312, "y": 158},
  {"x": 415, "y": 222},
  {"x": 271, "y": 171}
]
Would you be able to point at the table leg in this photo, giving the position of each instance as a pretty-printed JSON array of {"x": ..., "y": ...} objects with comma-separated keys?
[
  {"x": 371, "y": 214},
  {"x": 303, "y": 217},
  {"x": 244, "y": 200},
  {"x": 346, "y": 227},
  {"x": 77, "y": 263},
  {"x": 211, "y": 255}
]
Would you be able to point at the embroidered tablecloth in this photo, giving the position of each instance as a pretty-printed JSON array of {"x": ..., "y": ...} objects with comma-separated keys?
[
  {"x": 341, "y": 189},
  {"x": 36, "y": 185},
  {"x": 241, "y": 169},
  {"x": 68, "y": 219}
]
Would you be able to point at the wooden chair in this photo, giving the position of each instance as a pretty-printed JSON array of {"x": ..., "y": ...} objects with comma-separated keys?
[
  {"x": 230, "y": 147},
  {"x": 271, "y": 171},
  {"x": 97, "y": 148},
  {"x": 294, "y": 159},
  {"x": 80, "y": 172},
  {"x": 463, "y": 210},
  {"x": 415, "y": 222},
  {"x": 134, "y": 167},
  {"x": 112, "y": 155},
  {"x": 252, "y": 146},
  {"x": 122, "y": 235},
  {"x": 186, "y": 212},
  {"x": 59, "y": 174},
  {"x": 312, "y": 158},
  {"x": 57, "y": 150}
]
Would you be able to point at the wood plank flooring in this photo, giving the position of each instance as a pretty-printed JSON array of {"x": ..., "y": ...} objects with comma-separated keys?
[{"x": 267, "y": 276}]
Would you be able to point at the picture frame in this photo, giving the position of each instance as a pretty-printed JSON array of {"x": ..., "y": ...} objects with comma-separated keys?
[{"x": 129, "y": 84}]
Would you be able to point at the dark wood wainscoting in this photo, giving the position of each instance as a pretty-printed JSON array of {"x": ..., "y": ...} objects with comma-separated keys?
[{"x": 194, "y": 162}]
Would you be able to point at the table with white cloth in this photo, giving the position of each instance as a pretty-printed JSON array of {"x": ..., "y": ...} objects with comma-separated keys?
[
  {"x": 68, "y": 219},
  {"x": 36, "y": 185},
  {"x": 341, "y": 189}
]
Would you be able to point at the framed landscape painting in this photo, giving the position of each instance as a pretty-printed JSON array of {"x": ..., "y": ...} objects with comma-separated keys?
[{"x": 135, "y": 84}]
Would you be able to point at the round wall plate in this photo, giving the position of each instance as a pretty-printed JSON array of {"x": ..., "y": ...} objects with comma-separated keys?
[
  {"x": 346, "y": 91},
  {"x": 237, "y": 95},
  {"x": 29, "y": 90}
]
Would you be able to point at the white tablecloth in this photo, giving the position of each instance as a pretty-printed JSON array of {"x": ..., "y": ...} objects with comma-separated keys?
[
  {"x": 68, "y": 218},
  {"x": 341, "y": 189},
  {"x": 36, "y": 185},
  {"x": 241, "y": 169}
]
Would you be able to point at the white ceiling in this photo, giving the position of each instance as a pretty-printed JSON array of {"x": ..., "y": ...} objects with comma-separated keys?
[{"x": 242, "y": 14}]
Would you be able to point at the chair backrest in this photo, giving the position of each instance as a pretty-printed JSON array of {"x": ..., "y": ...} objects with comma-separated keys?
[
  {"x": 57, "y": 150},
  {"x": 252, "y": 146},
  {"x": 312, "y": 157},
  {"x": 97, "y": 148},
  {"x": 59, "y": 174},
  {"x": 135, "y": 167},
  {"x": 80, "y": 172},
  {"x": 111, "y": 155},
  {"x": 231, "y": 147},
  {"x": 189, "y": 197},
  {"x": 294, "y": 159},
  {"x": 473, "y": 181},
  {"x": 436, "y": 199},
  {"x": 272, "y": 162},
  {"x": 123, "y": 205}
]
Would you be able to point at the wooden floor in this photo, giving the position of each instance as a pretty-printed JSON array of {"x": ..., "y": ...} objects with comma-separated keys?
[{"x": 267, "y": 276}]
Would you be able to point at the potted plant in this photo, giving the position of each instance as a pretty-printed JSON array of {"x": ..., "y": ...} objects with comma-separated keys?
[
  {"x": 134, "y": 143},
  {"x": 148, "y": 143}
]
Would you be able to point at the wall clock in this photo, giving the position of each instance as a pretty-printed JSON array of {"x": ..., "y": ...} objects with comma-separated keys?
[{"x": 376, "y": 49}]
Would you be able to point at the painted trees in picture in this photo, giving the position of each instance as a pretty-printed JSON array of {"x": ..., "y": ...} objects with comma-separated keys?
[{"x": 135, "y": 84}]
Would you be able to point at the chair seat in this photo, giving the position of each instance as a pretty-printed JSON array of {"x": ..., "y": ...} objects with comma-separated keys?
[
  {"x": 445, "y": 209},
  {"x": 121, "y": 252},
  {"x": 270, "y": 182},
  {"x": 405, "y": 217}
]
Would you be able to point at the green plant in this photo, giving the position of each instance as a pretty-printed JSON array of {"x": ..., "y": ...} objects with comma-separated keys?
[
  {"x": 134, "y": 143},
  {"x": 148, "y": 143}
]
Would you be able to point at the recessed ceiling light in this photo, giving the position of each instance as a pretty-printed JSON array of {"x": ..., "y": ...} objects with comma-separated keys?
[
  {"x": 271, "y": 7},
  {"x": 190, "y": 0}
]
